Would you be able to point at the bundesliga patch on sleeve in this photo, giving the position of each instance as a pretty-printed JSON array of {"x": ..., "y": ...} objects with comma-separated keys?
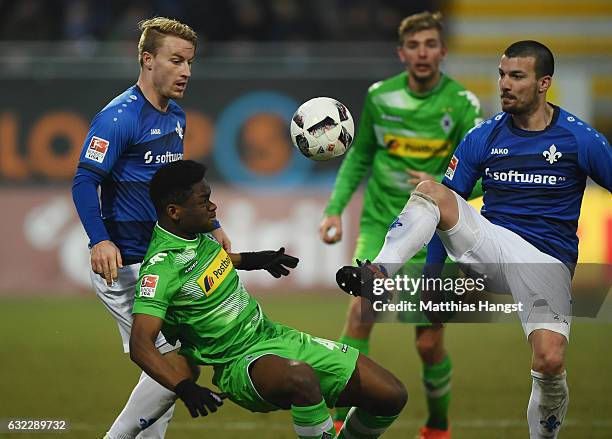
[
  {"x": 148, "y": 285},
  {"x": 452, "y": 166},
  {"x": 97, "y": 148}
]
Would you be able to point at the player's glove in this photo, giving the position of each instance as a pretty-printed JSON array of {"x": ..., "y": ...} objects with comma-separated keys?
[
  {"x": 359, "y": 281},
  {"x": 197, "y": 399},
  {"x": 273, "y": 261}
]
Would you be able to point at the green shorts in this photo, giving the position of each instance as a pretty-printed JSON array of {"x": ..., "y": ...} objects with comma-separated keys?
[{"x": 332, "y": 362}]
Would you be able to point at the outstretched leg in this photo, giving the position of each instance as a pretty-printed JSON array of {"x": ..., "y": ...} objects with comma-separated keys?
[{"x": 432, "y": 205}]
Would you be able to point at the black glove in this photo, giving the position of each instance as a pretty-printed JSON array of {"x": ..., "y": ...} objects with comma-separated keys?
[
  {"x": 273, "y": 261},
  {"x": 359, "y": 281},
  {"x": 197, "y": 398}
]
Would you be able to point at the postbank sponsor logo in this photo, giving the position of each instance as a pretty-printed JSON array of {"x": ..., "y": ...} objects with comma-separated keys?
[
  {"x": 416, "y": 148},
  {"x": 215, "y": 273}
]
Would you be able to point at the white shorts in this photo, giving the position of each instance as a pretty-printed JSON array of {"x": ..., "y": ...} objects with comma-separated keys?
[
  {"x": 119, "y": 300},
  {"x": 512, "y": 265}
]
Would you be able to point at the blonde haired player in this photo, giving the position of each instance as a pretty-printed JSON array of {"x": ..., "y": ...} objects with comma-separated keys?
[{"x": 129, "y": 139}]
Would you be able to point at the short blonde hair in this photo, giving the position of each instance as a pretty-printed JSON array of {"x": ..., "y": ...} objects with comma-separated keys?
[
  {"x": 155, "y": 29},
  {"x": 421, "y": 21}
]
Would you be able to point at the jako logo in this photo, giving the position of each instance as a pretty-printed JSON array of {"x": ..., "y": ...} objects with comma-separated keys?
[
  {"x": 168, "y": 157},
  {"x": 499, "y": 151},
  {"x": 513, "y": 176}
]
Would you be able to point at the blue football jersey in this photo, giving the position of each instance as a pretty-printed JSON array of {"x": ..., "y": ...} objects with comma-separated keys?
[
  {"x": 128, "y": 141},
  {"x": 533, "y": 181}
]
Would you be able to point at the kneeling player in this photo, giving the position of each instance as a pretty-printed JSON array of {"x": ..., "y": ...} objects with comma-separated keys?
[{"x": 189, "y": 289}]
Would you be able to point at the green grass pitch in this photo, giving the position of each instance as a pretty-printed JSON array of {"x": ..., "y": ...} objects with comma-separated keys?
[{"x": 61, "y": 358}]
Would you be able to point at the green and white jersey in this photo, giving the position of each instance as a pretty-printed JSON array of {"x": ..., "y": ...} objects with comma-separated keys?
[
  {"x": 193, "y": 286},
  {"x": 401, "y": 130}
]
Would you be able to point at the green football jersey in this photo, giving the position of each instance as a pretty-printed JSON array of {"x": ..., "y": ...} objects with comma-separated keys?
[
  {"x": 193, "y": 286},
  {"x": 401, "y": 130}
]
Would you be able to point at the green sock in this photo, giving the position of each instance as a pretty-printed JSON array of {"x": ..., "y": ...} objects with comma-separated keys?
[
  {"x": 360, "y": 424},
  {"x": 363, "y": 346},
  {"x": 437, "y": 382},
  {"x": 313, "y": 422}
]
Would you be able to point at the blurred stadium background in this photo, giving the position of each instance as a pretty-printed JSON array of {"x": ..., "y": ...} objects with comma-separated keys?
[{"x": 62, "y": 60}]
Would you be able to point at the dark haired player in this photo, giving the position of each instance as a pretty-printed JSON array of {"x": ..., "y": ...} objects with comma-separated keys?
[
  {"x": 534, "y": 159},
  {"x": 190, "y": 290}
]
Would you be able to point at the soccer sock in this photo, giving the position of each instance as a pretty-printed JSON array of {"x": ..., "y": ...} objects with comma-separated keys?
[
  {"x": 437, "y": 382},
  {"x": 148, "y": 402},
  {"x": 159, "y": 427},
  {"x": 416, "y": 225},
  {"x": 313, "y": 422},
  {"x": 547, "y": 404},
  {"x": 360, "y": 424}
]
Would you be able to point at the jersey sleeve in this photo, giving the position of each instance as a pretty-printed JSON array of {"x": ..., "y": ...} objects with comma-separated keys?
[
  {"x": 471, "y": 115},
  {"x": 109, "y": 135},
  {"x": 356, "y": 163},
  {"x": 156, "y": 286},
  {"x": 595, "y": 159},
  {"x": 463, "y": 169}
]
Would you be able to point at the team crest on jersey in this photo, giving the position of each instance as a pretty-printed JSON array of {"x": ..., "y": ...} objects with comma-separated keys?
[
  {"x": 97, "y": 148},
  {"x": 552, "y": 155},
  {"x": 179, "y": 129},
  {"x": 446, "y": 123},
  {"x": 215, "y": 273},
  {"x": 148, "y": 285},
  {"x": 452, "y": 166}
]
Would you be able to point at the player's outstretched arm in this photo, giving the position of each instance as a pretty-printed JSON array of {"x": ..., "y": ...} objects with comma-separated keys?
[
  {"x": 274, "y": 262},
  {"x": 177, "y": 377},
  {"x": 143, "y": 352}
]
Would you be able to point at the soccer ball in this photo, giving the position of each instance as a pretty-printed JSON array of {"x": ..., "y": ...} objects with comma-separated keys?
[{"x": 322, "y": 128}]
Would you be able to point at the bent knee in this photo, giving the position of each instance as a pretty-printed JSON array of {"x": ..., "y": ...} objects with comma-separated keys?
[
  {"x": 302, "y": 384},
  {"x": 428, "y": 348},
  {"x": 397, "y": 397},
  {"x": 431, "y": 189},
  {"x": 549, "y": 363}
]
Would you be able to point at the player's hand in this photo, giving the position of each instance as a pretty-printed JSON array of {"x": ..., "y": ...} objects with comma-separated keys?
[
  {"x": 222, "y": 239},
  {"x": 330, "y": 229},
  {"x": 197, "y": 398},
  {"x": 273, "y": 261},
  {"x": 417, "y": 177},
  {"x": 359, "y": 281},
  {"x": 105, "y": 260}
]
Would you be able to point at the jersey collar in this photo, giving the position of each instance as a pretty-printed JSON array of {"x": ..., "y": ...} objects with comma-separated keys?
[
  {"x": 525, "y": 133},
  {"x": 434, "y": 90},
  {"x": 167, "y": 233},
  {"x": 137, "y": 88}
]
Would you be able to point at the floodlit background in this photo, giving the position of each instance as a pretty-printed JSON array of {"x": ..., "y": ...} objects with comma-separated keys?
[{"x": 61, "y": 61}]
